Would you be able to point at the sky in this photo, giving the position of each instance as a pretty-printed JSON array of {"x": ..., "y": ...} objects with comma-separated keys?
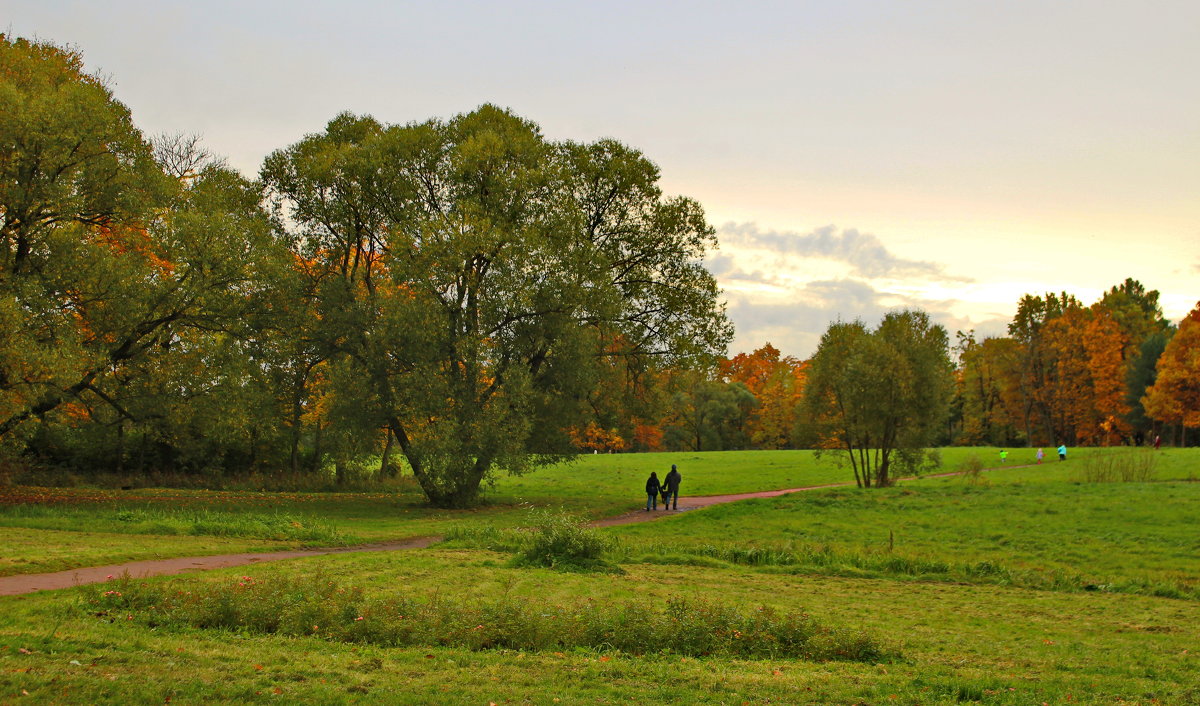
[{"x": 853, "y": 156}]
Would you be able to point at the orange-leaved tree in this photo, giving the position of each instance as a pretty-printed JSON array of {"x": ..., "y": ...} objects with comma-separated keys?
[
  {"x": 777, "y": 383},
  {"x": 1175, "y": 396}
]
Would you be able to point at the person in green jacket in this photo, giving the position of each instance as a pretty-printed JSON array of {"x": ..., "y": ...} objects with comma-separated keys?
[{"x": 1062, "y": 452}]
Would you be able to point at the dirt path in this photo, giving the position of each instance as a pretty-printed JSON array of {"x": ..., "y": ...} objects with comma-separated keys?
[
  {"x": 32, "y": 583},
  {"x": 695, "y": 503}
]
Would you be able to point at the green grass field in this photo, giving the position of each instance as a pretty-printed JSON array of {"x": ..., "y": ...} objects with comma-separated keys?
[{"x": 948, "y": 574}]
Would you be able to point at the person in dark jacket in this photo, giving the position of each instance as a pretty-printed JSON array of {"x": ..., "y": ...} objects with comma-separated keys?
[
  {"x": 672, "y": 484},
  {"x": 652, "y": 488}
]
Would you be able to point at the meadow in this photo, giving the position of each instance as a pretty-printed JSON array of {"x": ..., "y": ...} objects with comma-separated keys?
[{"x": 1013, "y": 586}]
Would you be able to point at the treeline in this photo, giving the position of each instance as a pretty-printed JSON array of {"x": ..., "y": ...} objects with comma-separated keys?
[
  {"x": 460, "y": 297},
  {"x": 1115, "y": 372}
]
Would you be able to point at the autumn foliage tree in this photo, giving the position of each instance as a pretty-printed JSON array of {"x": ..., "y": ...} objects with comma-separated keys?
[
  {"x": 1073, "y": 366},
  {"x": 1174, "y": 398},
  {"x": 121, "y": 282},
  {"x": 777, "y": 384}
]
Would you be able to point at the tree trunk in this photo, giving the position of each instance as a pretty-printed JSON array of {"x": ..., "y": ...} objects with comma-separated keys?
[
  {"x": 120, "y": 460},
  {"x": 385, "y": 469},
  {"x": 316, "y": 462}
]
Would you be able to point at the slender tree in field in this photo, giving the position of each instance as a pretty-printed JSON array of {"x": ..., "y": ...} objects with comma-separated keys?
[
  {"x": 880, "y": 395},
  {"x": 1174, "y": 398},
  {"x": 472, "y": 272}
]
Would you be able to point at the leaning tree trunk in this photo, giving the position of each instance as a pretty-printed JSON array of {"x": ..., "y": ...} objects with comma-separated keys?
[{"x": 385, "y": 467}]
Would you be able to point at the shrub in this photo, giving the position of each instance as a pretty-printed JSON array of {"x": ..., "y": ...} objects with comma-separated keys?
[
  {"x": 971, "y": 469},
  {"x": 315, "y": 606},
  {"x": 560, "y": 540}
]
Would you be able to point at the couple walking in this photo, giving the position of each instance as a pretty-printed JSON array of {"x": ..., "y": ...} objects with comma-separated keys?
[{"x": 668, "y": 487}]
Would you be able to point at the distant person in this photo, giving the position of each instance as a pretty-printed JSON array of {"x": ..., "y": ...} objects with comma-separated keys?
[
  {"x": 1062, "y": 452},
  {"x": 652, "y": 488},
  {"x": 1040, "y": 455},
  {"x": 1003, "y": 456},
  {"x": 1157, "y": 442},
  {"x": 672, "y": 483}
]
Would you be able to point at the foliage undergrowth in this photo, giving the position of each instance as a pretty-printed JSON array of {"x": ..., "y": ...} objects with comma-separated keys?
[
  {"x": 563, "y": 541},
  {"x": 312, "y": 605},
  {"x": 1123, "y": 466}
]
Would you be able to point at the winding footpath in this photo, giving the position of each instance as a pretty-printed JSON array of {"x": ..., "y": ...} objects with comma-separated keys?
[{"x": 32, "y": 583}]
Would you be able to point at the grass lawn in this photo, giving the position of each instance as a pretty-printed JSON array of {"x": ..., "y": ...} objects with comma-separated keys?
[
  {"x": 993, "y": 638},
  {"x": 1113, "y": 536},
  {"x": 31, "y": 551},
  {"x": 595, "y": 486},
  {"x": 978, "y": 644}
]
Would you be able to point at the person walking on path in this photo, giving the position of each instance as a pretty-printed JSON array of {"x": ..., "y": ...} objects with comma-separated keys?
[
  {"x": 652, "y": 488},
  {"x": 672, "y": 483},
  {"x": 1039, "y": 455},
  {"x": 1003, "y": 456},
  {"x": 1062, "y": 452}
]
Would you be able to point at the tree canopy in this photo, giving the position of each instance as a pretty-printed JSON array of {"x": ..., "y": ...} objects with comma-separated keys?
[
  {"x": 473, "y": 274},
  {"x": 872, "y": 394}
]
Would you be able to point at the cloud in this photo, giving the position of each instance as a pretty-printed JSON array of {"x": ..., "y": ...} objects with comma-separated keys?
[
  {"x": 795, "y": 326},
  {"x": 865, "y": 253},
  {"x": 786, "y": 288}
]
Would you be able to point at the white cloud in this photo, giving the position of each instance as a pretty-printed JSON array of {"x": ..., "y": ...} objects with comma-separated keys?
[
  {"x": 864, "y": 252},
  {"x": 786, "y": 288}
]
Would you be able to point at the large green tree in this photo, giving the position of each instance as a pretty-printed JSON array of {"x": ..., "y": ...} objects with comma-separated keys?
[
  {"x": 880, "y": 395},
  {"x": 116, "y": 273},
  {"x": 471, "y": 272}
]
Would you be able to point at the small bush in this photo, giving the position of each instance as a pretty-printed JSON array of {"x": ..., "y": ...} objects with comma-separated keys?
[
  {"x": 315, "y": 606},
  {"x": 560, "y": 540},
  {"x": 971, "y": 469},
  {"x": 916, "y": 462}
]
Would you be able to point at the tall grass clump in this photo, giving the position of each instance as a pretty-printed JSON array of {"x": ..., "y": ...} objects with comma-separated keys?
[
  {"x": 1123, "y": 466},
  {"x": 317, "y": 607},
  {"x": 488, "y": 537},
  {"x": 562, "y": 541}
]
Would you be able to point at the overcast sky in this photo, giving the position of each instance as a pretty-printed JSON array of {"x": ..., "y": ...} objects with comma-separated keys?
[{"x": 854, "y": 156}]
